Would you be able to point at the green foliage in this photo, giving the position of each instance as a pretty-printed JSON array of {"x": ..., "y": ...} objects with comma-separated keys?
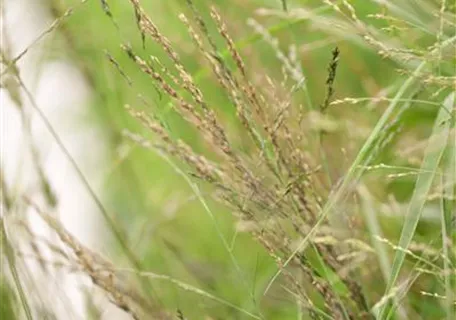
[
  {"x": 7, "y": 307},
  {"x": 235, "y": 195}
]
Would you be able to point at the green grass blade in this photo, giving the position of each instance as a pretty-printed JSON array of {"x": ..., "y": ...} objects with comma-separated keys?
[
  {"x": 10, "y": 256},
  {"x": 211, "y": 215},
  {"x": 433, "y": 155},
  {"x": 448, "y": 183},
  {"x": 375, "y": 231},
  {"x": 190, "y": 288}
]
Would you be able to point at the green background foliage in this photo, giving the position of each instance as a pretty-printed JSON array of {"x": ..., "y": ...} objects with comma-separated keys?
[{"x": 164, "y": 221}]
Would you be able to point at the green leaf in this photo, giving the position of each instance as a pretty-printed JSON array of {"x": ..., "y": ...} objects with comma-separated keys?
[
  {"x": 433, "y": 155},
  {"x": 448, "y": 185}
]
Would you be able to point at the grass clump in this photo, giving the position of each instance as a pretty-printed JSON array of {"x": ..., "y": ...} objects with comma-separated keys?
[{"x": 327, "y": 158}]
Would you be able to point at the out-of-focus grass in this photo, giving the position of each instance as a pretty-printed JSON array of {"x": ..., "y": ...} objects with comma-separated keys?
[
  {"x": 7, "y": 310},
  {"x": 168, "y": 226}
]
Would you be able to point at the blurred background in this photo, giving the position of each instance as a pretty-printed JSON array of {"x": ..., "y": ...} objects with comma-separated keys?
[{"x": 64, "y": 57}]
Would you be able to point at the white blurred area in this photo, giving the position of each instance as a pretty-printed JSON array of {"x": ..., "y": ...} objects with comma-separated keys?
[{"x": 62, "y": 94}]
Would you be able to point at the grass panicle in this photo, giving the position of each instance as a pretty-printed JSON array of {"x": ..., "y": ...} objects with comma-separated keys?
[{"x": 346, "y": 196}]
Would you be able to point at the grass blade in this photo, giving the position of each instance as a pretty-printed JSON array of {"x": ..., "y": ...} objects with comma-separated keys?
[
  {"x": 9, "y": 253},
  {"x": 190, "y": 288},
  {"x": 448, "y": 183},
  {"x": 375, "y": 231},
  {"x": 433, "y": 155}
]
